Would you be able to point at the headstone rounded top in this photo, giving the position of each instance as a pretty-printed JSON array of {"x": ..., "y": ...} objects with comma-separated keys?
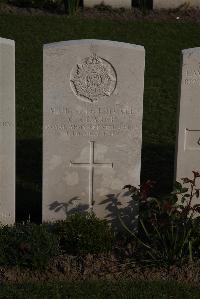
[
  {"x": 96, "y": 42},
  {"x": 7, "y": 41},
  {"x": 191, "y": 50}
]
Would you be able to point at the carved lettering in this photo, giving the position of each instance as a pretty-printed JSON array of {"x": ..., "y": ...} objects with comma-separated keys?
[
  {"x": 192, "y": 77},
  {"x": 192, "y": 139},
  {"x": 97, "y": 121},
  {"x": 4, "y": 215},
  {"x": 114, "y": 110},
  {"x": 6, "y": 124}
]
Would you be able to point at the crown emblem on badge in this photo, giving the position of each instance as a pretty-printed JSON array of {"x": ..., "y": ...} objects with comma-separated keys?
[{"x": 93, "y": 79}]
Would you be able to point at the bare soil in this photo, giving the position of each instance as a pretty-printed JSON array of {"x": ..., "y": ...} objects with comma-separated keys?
[{"x": 95, "y": 267}]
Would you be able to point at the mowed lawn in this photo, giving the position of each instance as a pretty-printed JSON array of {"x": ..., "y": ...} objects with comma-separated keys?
[
  {"x": 163, "y": 42},
  {"x": 100, "y": 290}
]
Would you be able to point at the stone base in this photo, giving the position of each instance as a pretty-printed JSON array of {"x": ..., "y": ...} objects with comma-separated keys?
[
  {"x": 113, "y": 3},
  {"x": 167, "y": 4}
]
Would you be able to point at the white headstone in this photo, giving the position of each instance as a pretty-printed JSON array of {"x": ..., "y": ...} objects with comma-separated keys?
[
  {"x": 188, "y": 137},
  {"x": 93, "y": 107},
  {"x": 113, "y": 3},
  {"x": 172, "y": 4},
  {"x": 7, "y": 131}
]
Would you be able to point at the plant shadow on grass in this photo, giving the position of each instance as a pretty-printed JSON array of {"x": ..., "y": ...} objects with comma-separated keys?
[
  {"x": 157, "y": 164},
  {"x": 29, "y": 180}
]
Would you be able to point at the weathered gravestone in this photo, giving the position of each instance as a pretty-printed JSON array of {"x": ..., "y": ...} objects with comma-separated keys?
[
  {"x": 93, "y": 106},
  {"x": 113, "y": 3},
  {"x": 7, "y": 131},
  {"x": 188, "y": 137},
  {"x": 172, "y": 4}
]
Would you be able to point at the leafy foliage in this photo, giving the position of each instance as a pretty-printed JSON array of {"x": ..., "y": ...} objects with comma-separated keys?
[
  {"x": 83, "y": 234},
  {"x": 168, "y": 231},
  {"x": 30, "y": 245},
  {"x": 27, "y": 245}
]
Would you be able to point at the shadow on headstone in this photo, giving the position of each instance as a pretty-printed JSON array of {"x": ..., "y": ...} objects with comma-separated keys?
[
  {"x": 113, "y": 207},
  {"x": 119, "y": 213},
  {"x": 157, "y": 164},
  {"x": 29, "y": 180},
  {"x": 66, "y": 206}
]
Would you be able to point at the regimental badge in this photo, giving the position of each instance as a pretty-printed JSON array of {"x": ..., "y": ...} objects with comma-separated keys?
[{"x": 93, "y": 79}]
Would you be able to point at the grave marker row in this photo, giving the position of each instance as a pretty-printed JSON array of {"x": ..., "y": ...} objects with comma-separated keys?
[
  {"x": 172, "y": 4},
  {"x": 157, "y": 4},
  {"x": 92, "y": 131}
]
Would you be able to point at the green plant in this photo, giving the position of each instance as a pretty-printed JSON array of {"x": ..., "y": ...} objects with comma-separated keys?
[
  {"x": 83, "y": 234},
  {"x": 71, "y": 6},
  {"x": 167, "y": 231},
  {"x": 27, "y": 245},
  {"x": 168, "y": 245}
]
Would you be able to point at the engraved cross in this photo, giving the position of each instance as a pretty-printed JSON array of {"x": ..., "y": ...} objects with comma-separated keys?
[{"x": 91, "y": 165}]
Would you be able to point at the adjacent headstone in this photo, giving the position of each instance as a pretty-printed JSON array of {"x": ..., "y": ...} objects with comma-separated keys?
[
  {"x": 113, "y": 3},
  {"x": 172, "y": 4},
  {"x": 7, "y": 131},
  {"x": 93, "y": 107},
  {"x": 188, "y": 135}
]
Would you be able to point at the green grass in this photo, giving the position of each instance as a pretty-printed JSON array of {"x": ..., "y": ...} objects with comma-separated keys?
[
  {"x": 100, "y": 290},
  {"x": 163, "y": 42}
]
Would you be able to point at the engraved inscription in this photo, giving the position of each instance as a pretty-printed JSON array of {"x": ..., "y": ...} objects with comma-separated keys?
[
  {"x": 91, "y": 165},
  {"x": 6, "y": 124},
  {"x": 192, "y": 139},
  {"x": 192, "y": 76},
  {"x": 4, "y": 215},
  {"x": 93, "y": 79},
  {"x": 100, "y": 121}
]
